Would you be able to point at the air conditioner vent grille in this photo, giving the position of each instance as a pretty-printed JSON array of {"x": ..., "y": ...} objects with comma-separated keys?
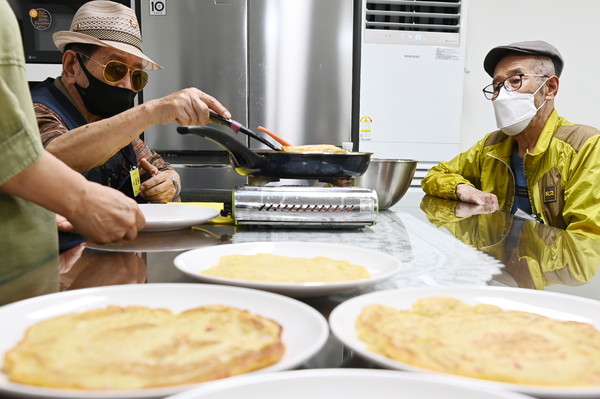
[{"x": 414, "y": 15}]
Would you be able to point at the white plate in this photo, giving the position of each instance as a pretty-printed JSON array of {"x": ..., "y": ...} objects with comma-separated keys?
[
  {"x": 557, "y": 306},
  {"x": 154, "y": 241},
  {"x": 165, "y": 217},
  {"x": 304, "y": 329},
  {"x": 346, "y": 384},
  {"x": 380, "y": 266}
]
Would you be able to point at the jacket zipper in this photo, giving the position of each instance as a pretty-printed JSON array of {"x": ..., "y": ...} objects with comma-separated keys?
[
  {"x": 527, "y": 181},
  {"x": 536, "y": 215},
  {"x": 512, "y": 174}
]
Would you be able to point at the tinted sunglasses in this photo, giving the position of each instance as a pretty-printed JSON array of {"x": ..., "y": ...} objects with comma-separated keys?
[{"x": 116, "y": 70}]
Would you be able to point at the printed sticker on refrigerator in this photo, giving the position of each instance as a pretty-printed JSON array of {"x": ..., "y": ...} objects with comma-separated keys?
[
  {"x": 158, "y": 7},
  {"x": 40, "y": 18},
  {"x": 366, "y": 123}
]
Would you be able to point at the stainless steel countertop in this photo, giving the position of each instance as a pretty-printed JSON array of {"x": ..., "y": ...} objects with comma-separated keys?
[{"x": 435, "y": 248}]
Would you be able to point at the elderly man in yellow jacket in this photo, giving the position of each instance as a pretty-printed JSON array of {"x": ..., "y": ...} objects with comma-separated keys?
[{"x": 537, "y": 161}]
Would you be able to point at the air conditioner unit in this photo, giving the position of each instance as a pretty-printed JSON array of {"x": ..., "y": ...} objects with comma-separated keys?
[{"x": 412, "y": 66}]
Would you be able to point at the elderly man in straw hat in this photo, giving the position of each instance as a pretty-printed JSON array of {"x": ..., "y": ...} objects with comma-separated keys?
[
  {"x": 537, "y": 162},
  {"x": 86, "y": 116}
]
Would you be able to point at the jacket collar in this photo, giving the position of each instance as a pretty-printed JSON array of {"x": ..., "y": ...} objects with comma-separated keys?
[
  {"x": 504, "y": 146},
  {"x": 548, "y": 131}
]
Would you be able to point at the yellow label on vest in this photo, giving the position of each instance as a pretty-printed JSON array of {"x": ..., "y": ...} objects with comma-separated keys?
[{"x": 135, "y": 181}]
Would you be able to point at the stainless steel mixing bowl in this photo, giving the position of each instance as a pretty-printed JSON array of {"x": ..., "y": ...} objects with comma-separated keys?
[{"x": 390, "y": 178}]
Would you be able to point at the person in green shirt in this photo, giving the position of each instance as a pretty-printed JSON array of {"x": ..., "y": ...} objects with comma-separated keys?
[{"x": 35, "y": 186}]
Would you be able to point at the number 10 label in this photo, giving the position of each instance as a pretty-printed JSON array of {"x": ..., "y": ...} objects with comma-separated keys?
[{"x": 158, "y": 7}]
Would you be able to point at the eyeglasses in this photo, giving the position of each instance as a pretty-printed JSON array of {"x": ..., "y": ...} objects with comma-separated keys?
[
  {"x": 116, "y": 70},
  {"x": 512, "y": 83}
]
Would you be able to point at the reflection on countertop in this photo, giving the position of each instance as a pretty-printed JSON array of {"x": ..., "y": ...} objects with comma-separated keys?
[
  {"x": 81, "y": 267},
  {"x": 436, "y": 248},
  {"x": 534, "y": 255},
  {"x": 22, "y": 282},
  {"x": 162, "y": 241}
]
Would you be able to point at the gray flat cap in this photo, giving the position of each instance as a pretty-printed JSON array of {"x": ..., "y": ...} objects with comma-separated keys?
[{"x": 536, "y": 47}]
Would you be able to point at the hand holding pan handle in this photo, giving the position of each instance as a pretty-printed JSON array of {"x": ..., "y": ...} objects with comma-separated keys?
[
  {"x": 238, "y": 127},
  {"x": 242, "y": 155}
]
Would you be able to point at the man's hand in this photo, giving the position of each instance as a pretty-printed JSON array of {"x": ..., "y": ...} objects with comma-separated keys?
[
  {"x": 187, "y": 107},
  {"x": 99, "y": 213},
  {"x": 103, "y": 214},
  {"x": 160, "y": 187},
  {"x": 467, "y": 193}
]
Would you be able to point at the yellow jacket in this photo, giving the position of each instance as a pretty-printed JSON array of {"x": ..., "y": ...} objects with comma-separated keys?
[{"x": 561, "y": 174}]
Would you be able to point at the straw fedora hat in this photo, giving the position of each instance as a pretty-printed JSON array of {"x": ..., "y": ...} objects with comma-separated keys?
[{"x": 108, "y": 24}]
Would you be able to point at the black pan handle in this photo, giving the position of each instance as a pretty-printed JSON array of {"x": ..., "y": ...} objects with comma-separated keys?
[
  {"x": 242, "y": 155},
  {"x": 238, "y": 127}
]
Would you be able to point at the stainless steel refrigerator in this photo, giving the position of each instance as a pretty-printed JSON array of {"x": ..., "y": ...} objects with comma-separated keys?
[{"x": 283, "y": 64}]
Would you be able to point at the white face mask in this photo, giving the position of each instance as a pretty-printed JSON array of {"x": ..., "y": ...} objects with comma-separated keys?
[{"x": 514, "y": 111}]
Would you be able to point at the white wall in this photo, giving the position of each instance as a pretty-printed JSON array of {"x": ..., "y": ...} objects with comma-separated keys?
[{"x": 572, "y": 26}]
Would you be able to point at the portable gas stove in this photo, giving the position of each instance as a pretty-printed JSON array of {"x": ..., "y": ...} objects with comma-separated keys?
[
  {"x": 261, "y": 203},
  {"x": 304, "y": 206}
]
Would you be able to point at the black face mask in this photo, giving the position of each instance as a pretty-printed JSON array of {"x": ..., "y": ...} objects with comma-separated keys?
[{"x": 103, "y": 99}]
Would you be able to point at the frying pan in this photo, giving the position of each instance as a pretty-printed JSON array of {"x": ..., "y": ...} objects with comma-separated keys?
[{"x": 284, "y": 165}]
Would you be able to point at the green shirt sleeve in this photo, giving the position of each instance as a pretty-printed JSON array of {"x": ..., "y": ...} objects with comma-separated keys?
[{"x": 20, "y": 144}]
